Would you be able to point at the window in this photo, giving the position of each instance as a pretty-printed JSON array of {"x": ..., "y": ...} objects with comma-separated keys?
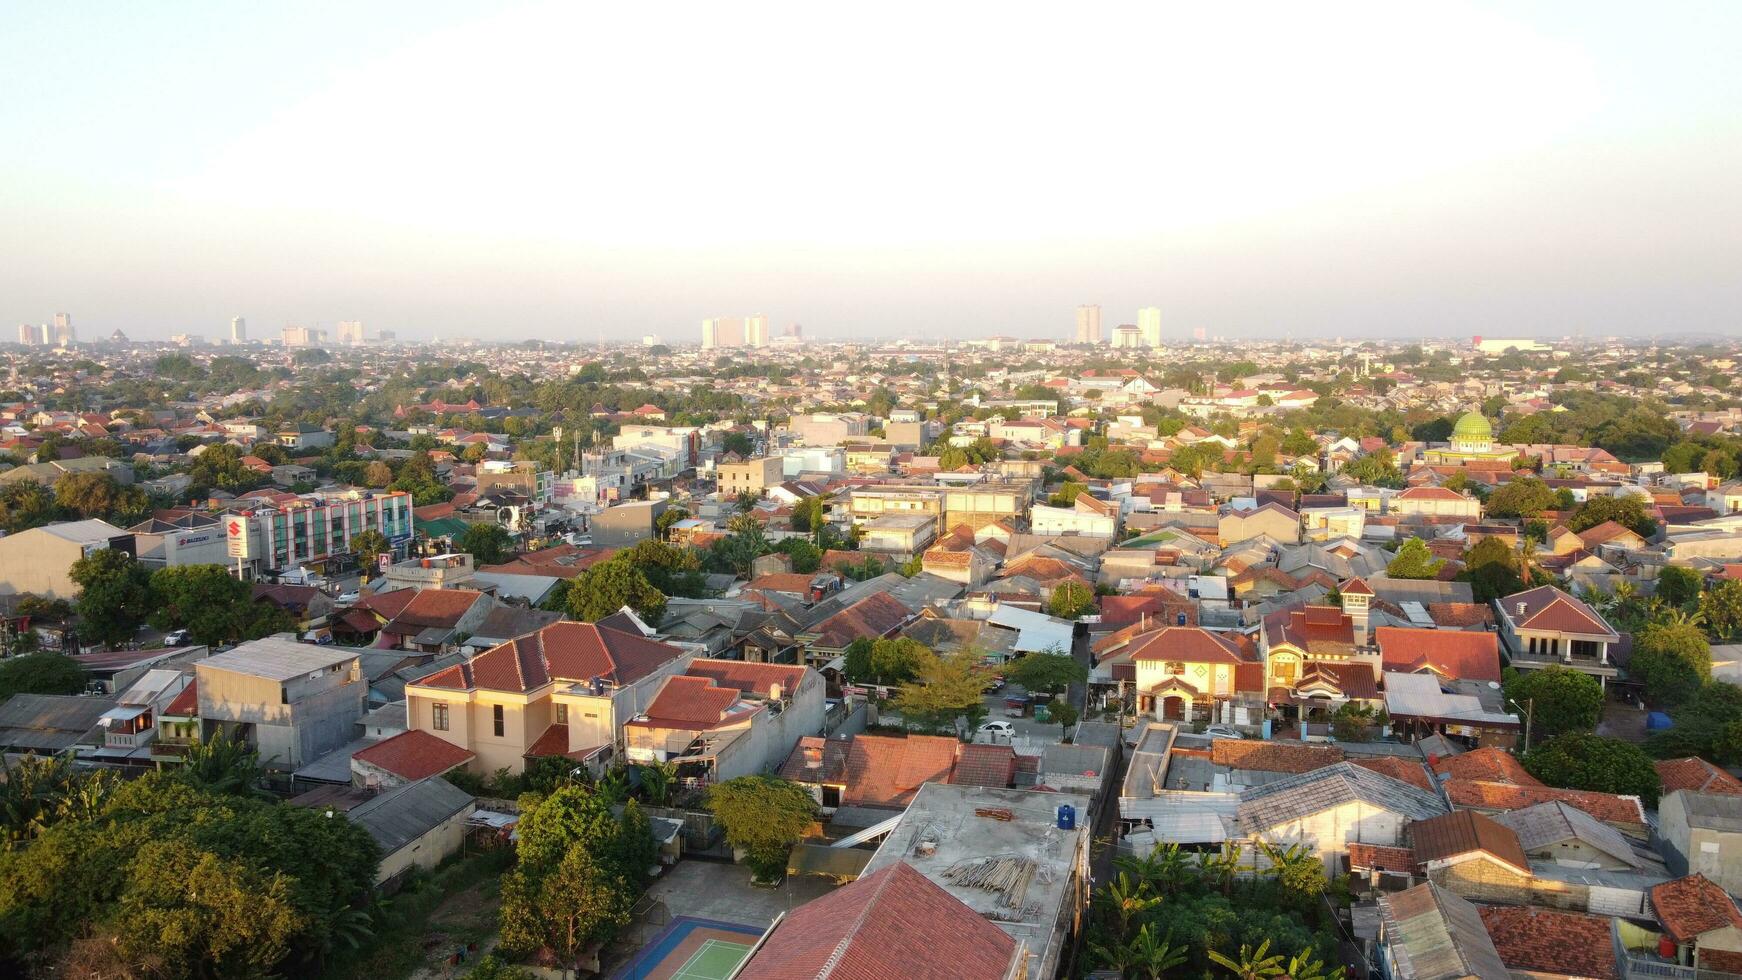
[
  {"x": 1176, "y": 668},
  {"x": 497, "y": 722},
  {"x": 439, "y": 716},
  {"x": 562, "y": 714}
]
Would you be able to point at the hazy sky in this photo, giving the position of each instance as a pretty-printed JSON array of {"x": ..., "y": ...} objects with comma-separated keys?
[{"x": 574, "y": 170}]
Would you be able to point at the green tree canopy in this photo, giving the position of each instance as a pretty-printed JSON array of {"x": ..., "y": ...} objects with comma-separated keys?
[
  {"x": 115, "y": 595},
  {"x": 764, "y": 816},
  {"x": 871, "y": 660},
  {"x": 1628, "y": 511},
  {"x": 1492, "y": 569},
  {"x": 212, "y": 605},
  {"x": 1560, "y": 699},
  {"x": 99, "y": 495},
  {"x": 25, "y": 504},
  {"x": 488, "y": 544},
  {"x": 1414, "y": 560},
  {"x": 1673, "y": 659},
  {"x": 946, "y": 688},
  {"x": 1071, "y": 600},
  {"x": 608, "y": 587},
  {"x": 1582, "y": 760},
  {"x": 1721, "y": 610},
  {"x": 41, "y": 673},
  {"x": 1047, "y": 673},
  {"x": 1523, "y": 497},
  {"x": 1679, "y": 586}
]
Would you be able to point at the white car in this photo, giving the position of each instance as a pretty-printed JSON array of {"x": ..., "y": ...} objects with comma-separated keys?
[
  {"x": 175, "y": 639},
  {"x": 997, "y": 729},
  {"x": 349, "y": 597},
  {"x": 1223, "y": 731}
]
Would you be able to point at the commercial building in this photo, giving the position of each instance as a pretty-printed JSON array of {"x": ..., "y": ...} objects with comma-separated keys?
[
  {"x": 735, "y": 331},
  {"x": 313, "y": 528},
  {"x": 752, "y": 476},
  {"x": 350, "y": 332},
  {"x": 238, "y": 330},
  {"x": 829, "y": 429},
  {"x": 1126, "y": 336},
  {"x": 192, "y": 539},
  {"x": 523, "y": 476},
  {"x": 1149, "y": 326}
]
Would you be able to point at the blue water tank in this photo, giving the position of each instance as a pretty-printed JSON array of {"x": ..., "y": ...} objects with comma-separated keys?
[{"x": 1067, "y": 817}]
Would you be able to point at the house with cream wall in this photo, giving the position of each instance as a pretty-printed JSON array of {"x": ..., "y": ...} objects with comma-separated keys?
[{"x": 567, "y": 689}]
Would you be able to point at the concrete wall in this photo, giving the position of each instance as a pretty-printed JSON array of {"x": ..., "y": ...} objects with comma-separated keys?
[
  {"x": 39, "y": 562},
  {"x": 1329, "y": 832},
  {"x": 1481, "y": 880},
  {"x": 429, "y": 850},
  {"x": 1715, "y": 854},
  {"x": 294, "y": 722}
]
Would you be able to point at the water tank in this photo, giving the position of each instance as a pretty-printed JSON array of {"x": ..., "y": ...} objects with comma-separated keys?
[
  {"x": 1181, "y": 619},
  {"x": 1067, "y": 817}
]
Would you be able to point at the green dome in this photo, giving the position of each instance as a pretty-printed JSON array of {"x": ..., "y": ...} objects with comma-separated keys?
[{"x": 1473, "y": 427}]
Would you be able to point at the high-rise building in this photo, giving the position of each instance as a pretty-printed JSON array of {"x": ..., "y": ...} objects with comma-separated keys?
[
  {"x": 1127, "y": 337},
  {"x": 300, "y": 336},
  {"x": 726, "y": 331},
  {"x": 795, "y": 330},
  {"x": 27, "y": 335},
  {"x": 63, "y": 329},
  {"x": 351, "y": 332},
  {"x": 1149, "y": 326},
  {"x": 756, "y": 331},
  {"x": 1200, "y": 334},
  {"x": 44, "y": 334},
  {"x": 238, "y": 330},
  {"x": 1089, "y": 324}
]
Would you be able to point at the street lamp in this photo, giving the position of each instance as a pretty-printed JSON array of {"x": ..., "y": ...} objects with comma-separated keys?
[{"x": 1529, "y": 707}]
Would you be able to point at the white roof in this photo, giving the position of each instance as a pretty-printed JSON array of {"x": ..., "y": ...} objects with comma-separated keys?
[
  {"x": 1035, "y": 632},
  {"x": 276, "y": 659},
  {"x": 83, "y": 532},
  {"x": 1419, "y": 695}
]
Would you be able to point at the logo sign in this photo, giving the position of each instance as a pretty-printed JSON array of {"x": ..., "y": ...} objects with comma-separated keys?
[
  {"x": 385, "y": 561},
  {"x": 237, "y": 529}
]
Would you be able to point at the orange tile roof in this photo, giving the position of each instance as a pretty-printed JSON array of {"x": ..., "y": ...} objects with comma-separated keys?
[
  {"x": 1382, "y": 858},
  {"x": 1455, "y": 654},
  {"x": 1492, "y": 764},
  {"x": 1546, "y": 941},
  {"x": 893, "y": 923},
  {"x": 689, "y": 703},
  {"x": 1691, "y": 906},
  {"x": 575, "y": 652},
  {"x": 414, "y": 755},
  {"x": 1263, "y": 756},
  {"x": 1698, "y": 775},
  {"x": 1621, "y": 812},
  {"x": 1402, "y": 770},
  {"x": 1188, "y": 644},
  {"x": 1463, "y": 831}
]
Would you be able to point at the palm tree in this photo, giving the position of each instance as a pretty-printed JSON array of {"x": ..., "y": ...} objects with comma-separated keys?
[
  {"x": 1253, "y": 964},
  {"x": 1125, "y": 897},
  {"x": 1222, "y": 868},
  {"x": 1154, "y": 957},
  {"x": 657, "y": 780},
  {"x": 1165, "y": 867},
  {"x": 223, "y": 765},
  {"x": 1303, "y": 967},
  {"x": 1297, "y": 869}
]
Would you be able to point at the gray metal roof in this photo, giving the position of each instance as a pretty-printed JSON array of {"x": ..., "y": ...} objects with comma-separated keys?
[
  {"x": 400, "y": 816},
  {"x": 335, "y": 766},
  {"x": 1550, "y": 823},
  {"x": 1435, "y": 935},
  {"x": 1074, "y": 760},
  {"x": 277, "y": 660},
  {"x": 49, "y": 722},
  {"x": 1263, "y": 807}
]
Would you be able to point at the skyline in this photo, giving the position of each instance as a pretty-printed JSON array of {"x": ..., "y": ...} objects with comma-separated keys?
[{"x": 1363, "y": 171}]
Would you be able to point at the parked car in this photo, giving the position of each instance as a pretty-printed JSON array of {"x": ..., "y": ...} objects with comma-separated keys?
[
  {"x": 1223, "y": 731},
  {"x": 348, "y": 597},
  {"x": 999, "y": 729},
  {"x": 178, "y": 638}
]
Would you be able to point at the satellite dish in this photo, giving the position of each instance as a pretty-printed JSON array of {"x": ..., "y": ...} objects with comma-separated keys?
[{"x": 1494, "y": 685}]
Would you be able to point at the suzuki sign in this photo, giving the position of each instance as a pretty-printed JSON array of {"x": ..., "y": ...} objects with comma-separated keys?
[{"x": 240, "y": 540}]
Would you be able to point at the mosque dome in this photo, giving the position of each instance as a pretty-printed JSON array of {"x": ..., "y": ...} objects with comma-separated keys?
[{"x": 1473, "y": 427}]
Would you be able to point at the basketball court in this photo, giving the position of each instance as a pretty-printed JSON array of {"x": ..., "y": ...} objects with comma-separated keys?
[{"x": 692, "y": 949}]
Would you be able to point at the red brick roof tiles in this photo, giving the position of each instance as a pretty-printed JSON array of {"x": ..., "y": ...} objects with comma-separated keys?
[
  {"x": 894, "y": 923},
  {"x": 1456, "y": 654},
  {"x": 1262, "y": 756},
  {"x": 414, "y": 755},
  {"x": 1693, "y": 905},
  {"x": 1492, "y": 764},
  {"x": 1622, "y": 812},
  {"x": 1188, "y": 644},
  {"x": 1545, "y": 941},
  {"x": 575, "y": 652},
  {"x": 1462, "y": 832},
  {"x": 1548, "y": 608},
  {"x": 1698, "y": 775},
  {"x": 689, "y": 702},
  {"x": 1403, "y": 770}
]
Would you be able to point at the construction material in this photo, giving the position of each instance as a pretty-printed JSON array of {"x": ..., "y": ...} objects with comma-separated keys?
[{"x": 1007, "y": 876}]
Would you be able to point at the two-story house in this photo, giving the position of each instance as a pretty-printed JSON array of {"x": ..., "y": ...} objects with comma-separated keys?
[
  {"x": 1187, "y": 672},
  {"x": 1544, "y": 626},
  {"x": 721, "y": 719},
  {"x": 567, "y": 689}
]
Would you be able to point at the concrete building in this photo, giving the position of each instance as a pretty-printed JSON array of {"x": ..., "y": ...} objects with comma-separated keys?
[
  {"x": 294, "y": 702},
  {"x": 40, "y": 560},
  {"x": 313, "y": 528},
  {"x": 523, "y": 476},
  {"x": 238, "y": 330},
  {"x": 1088, "y": 324},
  {"x": 752, "y": 476},
  {"x": 828, "y": 429},
  {"x": 721, "y": 719},
  {"x": 193, "y": 539},
  {"x": 1149, "y": 326},
  {"x": 625, "y": 524},
  {"x": 350, "y": 333},
  {"x": 899, "y": 536},
  {"x": 1545, "y": 626},
  {"x": 417, "y": 825},
  {"x": 1126, "y": 336},
  {"x": 453, "y": 571},
  {"x": 1702, "y": 834}
]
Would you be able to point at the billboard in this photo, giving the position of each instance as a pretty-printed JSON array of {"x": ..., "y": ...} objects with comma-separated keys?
[{"x": 237, "y": 529}]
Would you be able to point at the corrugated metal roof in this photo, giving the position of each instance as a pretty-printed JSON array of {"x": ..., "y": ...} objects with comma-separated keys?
[{"x": 401, "y": 816}]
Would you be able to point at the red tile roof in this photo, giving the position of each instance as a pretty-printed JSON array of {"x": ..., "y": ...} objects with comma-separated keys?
[
  {"x": 1545, "y": 941},
  {"x": 187, "y": 703},
  {"x": 874, "y": 770},
  {"x": 1693, "y": 905},
  {"x": 575, "y": 652},
  {"x": 749, "y": 678},
  {"x": 436, "y": 607},
  {"x": 1548, "y": 608},
  {"x": 1382, "y": 858},
  {"x": 1463, "y": 655},
  {"x": 876, "y": 615},
  {"x": 1698, "y": 775},
  {"x": 1188, "y": 644},
  {"x": 1491, "y": 764},
  {"x": 414, "y": 755},
  {"x": 1621, "y": 812},
  {"x": 894, "y": 923},
  {"x": 1403, "y": 770},
  {"x": 690, "y": 703},
  {"x": 992, "y": 766},
  {"x": 1263, "y": 756}
]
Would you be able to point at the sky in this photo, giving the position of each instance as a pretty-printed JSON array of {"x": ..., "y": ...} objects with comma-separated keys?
[{"x": 606, "y": 171}]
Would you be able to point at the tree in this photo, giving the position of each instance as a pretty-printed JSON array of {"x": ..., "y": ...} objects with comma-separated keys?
[
  {"x": 1252, "y": 964},
  {"x": 886, "y": 661},
  {"x": 608, "y": 587},
  {"x": 1678, "y": 586},
  {"x": 738, "y": 442},
  {"x": 1560, "y": 699},
  {"x": 566, "y": 909},
  {"x": 378, "y": 475},
  {"x": 1148, "y": 954},
  {"x": 1672, "y": 658},
  {"x": 25, "y": 504},
  {"x": 1298, "y": 870},
  {"x": 212, "y": 605},
  {"x": 1414, "y": 560},
  {"x": 1047, "y": 672},
  {"x": 669, "y": 516},
  {"x": 946, "y": 689},
  {"x": 1492, "y": 570},
  {"x": 223, "y": 765},
  {"x": 203, "y": 915},
  {"x": 1628, "y": 511},
  {"x": 99, "y": 495},
  {"x": 488, "y": 544},
  {"x": 1071, "y": 600},
  {"x": 1721, "y": 609},
  {"x": 1523, "y": 497},
  {"x": 1582, "y": 760},
  {"x": 764, "y": 816},
  {"x": 369, "y": 546},
  {"x": 115, "y": 595},
  {"x": 1065, "y": 714},
  {"x": 41, "y": 673}
]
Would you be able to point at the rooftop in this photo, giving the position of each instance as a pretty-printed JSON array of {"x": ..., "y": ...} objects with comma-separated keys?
[{"x": 276, "y": 659}]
